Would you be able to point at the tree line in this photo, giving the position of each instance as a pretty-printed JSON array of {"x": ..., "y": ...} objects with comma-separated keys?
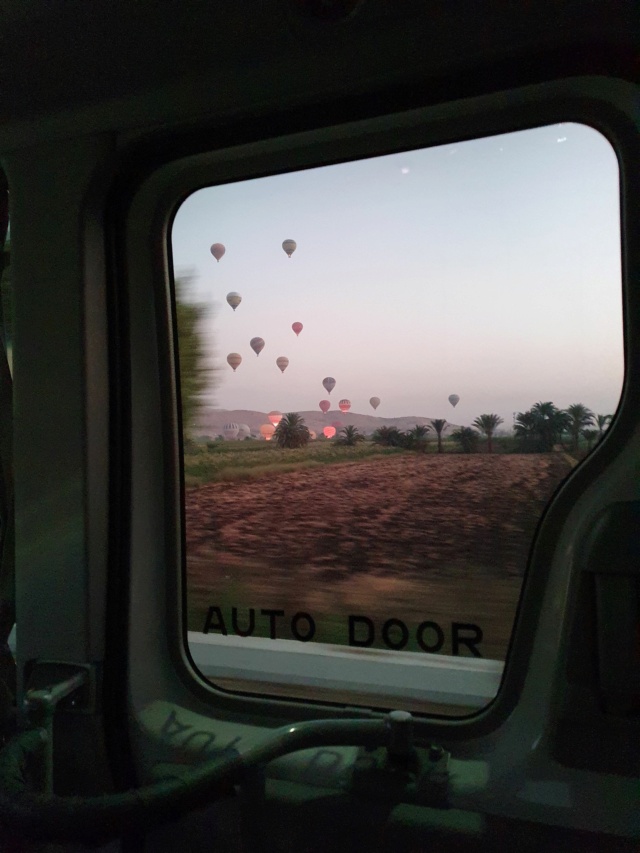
[{"x": 540, "y": 429}]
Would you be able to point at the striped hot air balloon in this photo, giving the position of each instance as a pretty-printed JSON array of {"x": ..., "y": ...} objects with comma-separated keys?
[
  {"x": 257, "y": 345},
  {"x": 234, "y": 359},
  {"x": 234, "y": 299},
  {"x": 289, "y": 246},
  {"x": 230, "y": 431},
  {"x": 344, "y": 405},
  {"x": 283, "y": 362}
]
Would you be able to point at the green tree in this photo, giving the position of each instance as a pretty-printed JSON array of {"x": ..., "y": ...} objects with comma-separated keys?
[
  {"x": 590, "y": 436},
  {"x": 525, "y": 429},
  {"x": 580, "y": 419},
  {"x": 195, "y": 374},
  {"x": 417, "y": 438},
  {"x": 551, "y": 422},
  {"x": 291, "y": 431},
  {"x": 350, "y": 437},
  {"x": 602, "y": 422},
  {"x": 439, "y": 424},
  {"x": 488, "y": 424},
  {"x": 387, "y": 436},
  {"x": 467, "y": 438}
]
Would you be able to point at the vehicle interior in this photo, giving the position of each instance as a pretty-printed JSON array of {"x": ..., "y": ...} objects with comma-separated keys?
[{"x": 124, "y": 724}]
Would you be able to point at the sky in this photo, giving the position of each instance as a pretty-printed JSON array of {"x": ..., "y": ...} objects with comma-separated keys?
[{"x": 488, "y": 268}]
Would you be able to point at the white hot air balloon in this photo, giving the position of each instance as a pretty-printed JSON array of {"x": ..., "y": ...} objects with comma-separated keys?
[
  {"x": 312, "y": 435},
  {"x": 375, "y": 402},
  {"x": 274, "y": 417},
  {"x": 282, "y": 362},
  {"x": 267, "y": 431},
  {"x": 257, "y": 345},
  {"x": 234, "y": 359},
  {"x": 234, "y": 299},
  {"x": 230, "y": 431},
  {"x": 244, "y": 431},
  {"x": 218, "y": 250},
  {"x": 289, "y": 246},
  {"x": 454, "y": 400}
]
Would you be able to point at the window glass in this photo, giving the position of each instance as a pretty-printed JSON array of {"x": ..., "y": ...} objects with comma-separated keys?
[{"x": 388, "y": 366}]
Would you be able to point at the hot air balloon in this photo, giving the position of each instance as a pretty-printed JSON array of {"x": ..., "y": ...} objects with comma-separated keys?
[
  {"x": 329, "y": 432},
  {"x": 312, "y": 435},
  {"x": 274, "y": 417},
  {"x": 325, "y": 405},
  {"x": 337, "y": 425},
  {"x": 234, "y": 359},
  {"x": 375, "y": 402},
  {"x": 283, "y": 362},
  {"x": 230, "y": 431},
  {"x": 266, "y": 431},
  {"x": 218, "y": 250},
  {"x": 244, "y": 430},
  {"x": 297, "y": 328},
  {"x": 329, "y": 383},
  {"x": 454, "y": 400},
  {"x": 257, "y": 345},
  {"x": 289, "y": 246},
  {"x": 344, "y": 405},
  {"x": 234, "y": 299}
]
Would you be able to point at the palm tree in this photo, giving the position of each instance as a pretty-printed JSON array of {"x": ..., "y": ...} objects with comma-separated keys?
[
  {"x": 590, "y": 435},
  {"x": 487, "y": 424},
  {"x": 580, "y": 418},
  {"x": 387, "y": 436},
  {"x": 602, "y": 422},
  {"x": 550, "y": 423},
  {"x": 439, "y": 424},
  {"x": 467, "y": 438},
  {"x": 417, "y": 438},
  {"x": 291, "y": 431},
  {"x": 350, "y": 436}
]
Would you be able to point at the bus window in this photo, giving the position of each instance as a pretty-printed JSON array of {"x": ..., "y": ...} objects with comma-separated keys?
[{"x": 387, "y": 368}]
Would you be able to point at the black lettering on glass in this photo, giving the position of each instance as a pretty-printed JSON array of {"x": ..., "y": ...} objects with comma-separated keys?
[
  {"x": 234, "y": 622},
  {"x": 272, "y": 620},
  {"x": 364, "y": 620},
  {"x": 458, "y": 640},
  {"x": 217, "y": 625},
  {"x": 439, "y": 643},
  {"x": 311, "y": 627},
  {"x": 388, "y": 639}
]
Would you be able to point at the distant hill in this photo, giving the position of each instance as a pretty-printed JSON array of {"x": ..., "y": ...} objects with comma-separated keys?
[{"x": 211, "y": 421}]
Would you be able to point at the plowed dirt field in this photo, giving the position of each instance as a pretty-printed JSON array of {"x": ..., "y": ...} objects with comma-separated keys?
[{"x": 434, "y": 537}]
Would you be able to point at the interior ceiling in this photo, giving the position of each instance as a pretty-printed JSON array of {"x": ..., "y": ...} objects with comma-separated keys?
[{"x": 221, "y": 54}]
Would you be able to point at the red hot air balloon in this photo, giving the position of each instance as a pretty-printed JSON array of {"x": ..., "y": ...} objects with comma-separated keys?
[
  {"x": 257, "y": 345},
  {"x": 297, "y": 328},
  {"x": 325, "y": 405},
  {"x": 337, "y": 425},
  {"x": 234, "y": 359},
  {"x": 275, "y": 417},
  {"x": 344, "y": 405},
  {"x": 329, "y": 432},
  {"x": 218, "y": 250}
]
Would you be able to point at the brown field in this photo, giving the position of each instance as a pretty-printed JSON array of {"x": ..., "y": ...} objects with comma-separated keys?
[{"x": 443, "y": 538}]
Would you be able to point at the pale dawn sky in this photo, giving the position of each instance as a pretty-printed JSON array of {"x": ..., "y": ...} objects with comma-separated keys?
[{"x": 488, "y": 269}]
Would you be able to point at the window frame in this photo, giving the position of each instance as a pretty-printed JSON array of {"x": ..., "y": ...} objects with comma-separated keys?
[{"x": 157, "y": 174}]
